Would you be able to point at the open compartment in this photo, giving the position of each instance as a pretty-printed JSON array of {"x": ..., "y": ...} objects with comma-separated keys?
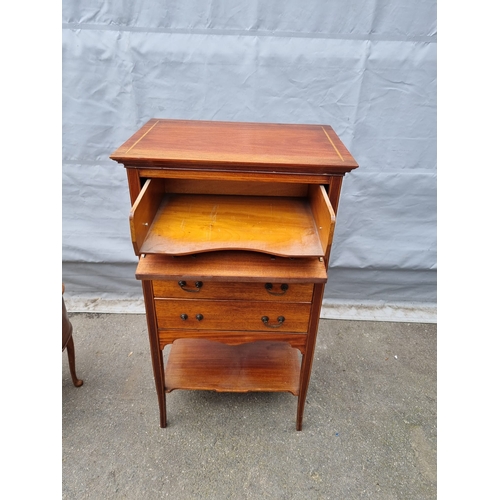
[
  {"x": 199, "y": 364},
  {"x": 295, "y": 221}
]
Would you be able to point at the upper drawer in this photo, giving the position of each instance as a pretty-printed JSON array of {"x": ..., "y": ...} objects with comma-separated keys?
[
  {"x": 289, "y": 292},
  {"x": 184, "y": 223}
]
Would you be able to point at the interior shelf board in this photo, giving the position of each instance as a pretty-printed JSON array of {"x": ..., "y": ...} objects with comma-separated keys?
[
  {"x": 199, "y": 364},
  {"x": 187, "y": 224}
]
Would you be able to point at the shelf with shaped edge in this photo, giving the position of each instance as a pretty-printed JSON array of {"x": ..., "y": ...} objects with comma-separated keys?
[
  {"x": 186, "y": 223},
  {"x": 199, "y": 364}
]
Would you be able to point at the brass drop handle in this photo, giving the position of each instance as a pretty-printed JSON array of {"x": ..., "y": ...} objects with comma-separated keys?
[
  {"x": 197, "y": 284},
  {"x": 265, "y": 320},
  {"x": 269, "y": 287}
]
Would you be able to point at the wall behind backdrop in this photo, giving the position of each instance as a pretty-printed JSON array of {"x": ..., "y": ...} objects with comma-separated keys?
[{"x": 366, "y": 68}]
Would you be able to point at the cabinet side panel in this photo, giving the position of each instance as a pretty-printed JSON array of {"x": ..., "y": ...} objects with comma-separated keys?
[
  {"x": 323, "y": 215},
  {"x": 334, "y": 191},
  {"x": 134, "y": 184},
  {"x": 144, "y": 211}
]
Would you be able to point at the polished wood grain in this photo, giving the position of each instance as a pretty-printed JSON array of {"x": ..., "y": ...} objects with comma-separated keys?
[
  {"x": 227, "y": 174},
  {"x": 206, "y": 365},
  {"x": 295, "y": 340},
  {"x": 183, "y": 224},
  {"x": 134, "y": 184},
  {"x": 233, "y": 290},
  {"x": 242, "y": 209},
  {"x": 187, "y": 224},
  {"x": 238, "y": 188},
  {"x": 323, "y": 215},
  {"x": 335, "y": 187},
  {"x": 209, "y": 144},
  {"x": 155, "y": 350},
  {"x": 308, "y": 357},
  {"x": 229, "y": 315},
  {"x": 144, "y": 211},
  {"x": 231, "y": 266}
]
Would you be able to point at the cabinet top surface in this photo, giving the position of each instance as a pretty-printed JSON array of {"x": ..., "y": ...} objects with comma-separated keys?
[{"x": 210, "y": 144}]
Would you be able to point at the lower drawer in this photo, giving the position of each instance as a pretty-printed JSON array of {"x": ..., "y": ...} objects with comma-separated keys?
[{"x": 232, "y": 316}]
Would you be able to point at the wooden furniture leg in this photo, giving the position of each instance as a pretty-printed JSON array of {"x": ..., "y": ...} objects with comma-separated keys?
[
  {"x": 308, "y": 356},
  {"x": 67, "y": 343},
  {"x": 156, "y": 352},
  {"x": 70, "y": 347}
]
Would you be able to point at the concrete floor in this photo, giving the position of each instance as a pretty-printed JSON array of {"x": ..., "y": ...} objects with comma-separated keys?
[{"x": 369, "y": 423}]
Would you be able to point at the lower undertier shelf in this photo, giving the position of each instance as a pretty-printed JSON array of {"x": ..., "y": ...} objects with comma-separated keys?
[{"x": 198, "y": 364}]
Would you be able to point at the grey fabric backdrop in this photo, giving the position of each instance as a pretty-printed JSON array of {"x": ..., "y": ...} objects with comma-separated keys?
[{"x": 366, "y": 68}]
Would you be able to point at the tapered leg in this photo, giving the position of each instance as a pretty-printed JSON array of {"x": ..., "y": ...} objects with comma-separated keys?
[
  {"x": 308, "y": 356},
  {"x": 159, "y": 375},
  {"x": 156, "y": 352},
  {"x": 302, "y": 399},
  {"x": 70, "y": 347}
]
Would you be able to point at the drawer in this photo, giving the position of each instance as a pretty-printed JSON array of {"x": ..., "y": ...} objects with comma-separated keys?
[
  {"x": 232, "y": 315},
  {"x": 191, "y": 289},
  {"x": 163, "y": 222}
]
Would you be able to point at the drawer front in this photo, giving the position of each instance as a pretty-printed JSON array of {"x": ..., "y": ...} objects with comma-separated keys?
[
  {"x": 191, "y": 289},
  {"x": 232, "y": 315}
]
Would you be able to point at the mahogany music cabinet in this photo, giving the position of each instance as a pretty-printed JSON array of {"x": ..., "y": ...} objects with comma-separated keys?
[{"x": 233, "y": 225}]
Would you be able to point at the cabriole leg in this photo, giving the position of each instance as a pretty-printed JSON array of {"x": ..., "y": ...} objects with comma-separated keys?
[{"x": 70, "y": 347}]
